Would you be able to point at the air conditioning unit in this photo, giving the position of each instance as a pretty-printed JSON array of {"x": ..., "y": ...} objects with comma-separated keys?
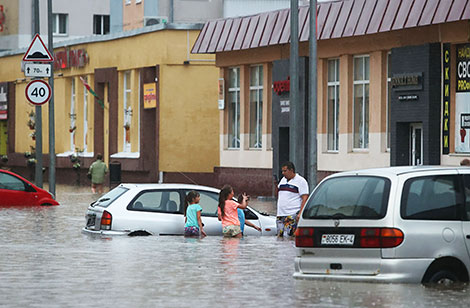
[{"x": 155, "y": 20}]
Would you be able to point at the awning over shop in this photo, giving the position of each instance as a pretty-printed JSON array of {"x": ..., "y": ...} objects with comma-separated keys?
[{"x": 336, "y": 19}]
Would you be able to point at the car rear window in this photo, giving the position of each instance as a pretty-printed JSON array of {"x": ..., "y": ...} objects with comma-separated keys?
[
  {"x": 112, "y": 195},
  {"x": 349, "y": 197}
]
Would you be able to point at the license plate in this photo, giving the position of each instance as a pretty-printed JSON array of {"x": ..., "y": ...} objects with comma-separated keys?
[{"x": 337, "y": 239}]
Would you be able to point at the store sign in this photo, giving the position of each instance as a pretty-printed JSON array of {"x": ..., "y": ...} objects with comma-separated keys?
[
  {"x": 281, "y": 87},
  {"x": 462, "y": 97},
  {"x": 3, "y": 100},
  {"x": 407, "y": 82},
  {"x": 150, "y": 95},
  {"x": 221, "y": 100},
  {"x": 71, "y": 58},
  {"x": 446, "y": 98},
  {"x": 2, "y": 18}
]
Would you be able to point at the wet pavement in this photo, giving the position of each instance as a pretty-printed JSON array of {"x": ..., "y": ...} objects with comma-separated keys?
[{"x": 46, "y": 261}]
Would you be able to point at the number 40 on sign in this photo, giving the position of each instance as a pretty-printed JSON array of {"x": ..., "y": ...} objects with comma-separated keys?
[{"x": 38, "y": 92}]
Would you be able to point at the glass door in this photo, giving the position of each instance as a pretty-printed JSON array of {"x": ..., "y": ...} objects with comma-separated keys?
[{"x": 416, "y": 144}]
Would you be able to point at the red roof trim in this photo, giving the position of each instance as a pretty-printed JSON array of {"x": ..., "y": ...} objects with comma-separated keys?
[{"x": 335, "y": 19}]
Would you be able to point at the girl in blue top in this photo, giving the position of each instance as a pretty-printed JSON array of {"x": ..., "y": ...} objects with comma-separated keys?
[{"x": 192, "y": 213}]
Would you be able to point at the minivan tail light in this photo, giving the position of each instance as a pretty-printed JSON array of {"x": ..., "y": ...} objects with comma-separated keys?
[
  {"x": 106, "y": 220},
  {"x": 304, "y": 237},
  {"x": 381, "y": 237}
]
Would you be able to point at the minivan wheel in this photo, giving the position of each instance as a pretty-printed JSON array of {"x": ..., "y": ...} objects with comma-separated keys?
[{"x": 444, "y": 277}]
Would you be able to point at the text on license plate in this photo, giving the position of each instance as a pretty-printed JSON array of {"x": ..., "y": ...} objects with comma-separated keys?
[{"x": 337, "y": 239}]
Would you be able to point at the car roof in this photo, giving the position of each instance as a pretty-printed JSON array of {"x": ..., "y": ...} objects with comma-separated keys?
[
  {"x": 168, "y": 186},
  {"x": 396, "y": 171}
]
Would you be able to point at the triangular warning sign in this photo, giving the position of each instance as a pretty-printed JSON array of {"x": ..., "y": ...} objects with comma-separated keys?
[{"x": 37, "y": 51}]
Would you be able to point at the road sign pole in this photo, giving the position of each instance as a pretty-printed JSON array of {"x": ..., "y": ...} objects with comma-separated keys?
[
  {"x": 51, "y": 103},
  {"x": 38, "y": 134}
]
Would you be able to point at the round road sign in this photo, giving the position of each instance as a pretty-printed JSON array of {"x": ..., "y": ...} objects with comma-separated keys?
[{"x": 38, "y": 92}]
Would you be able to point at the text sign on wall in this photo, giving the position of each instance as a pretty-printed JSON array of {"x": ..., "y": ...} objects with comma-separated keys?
[
  {"x": 150, "y": 95},
  {"x": 462, "y": 97},
  {"x": 446, "y": 98},
  {"x": 3, "y": 101}
]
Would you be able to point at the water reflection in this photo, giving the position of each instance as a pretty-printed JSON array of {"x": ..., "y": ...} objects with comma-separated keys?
[{"x": 46, "y": 261}]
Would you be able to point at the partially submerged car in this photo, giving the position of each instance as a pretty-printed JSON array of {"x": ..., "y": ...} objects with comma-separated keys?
[
  {"x": 157, "y": 209},
  {"x": 18, "y": 191},
  {"x": 398, "y": 224}
]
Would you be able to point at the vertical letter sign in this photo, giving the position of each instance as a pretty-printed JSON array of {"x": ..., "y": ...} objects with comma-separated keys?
[{"x": 446, "y": 98}]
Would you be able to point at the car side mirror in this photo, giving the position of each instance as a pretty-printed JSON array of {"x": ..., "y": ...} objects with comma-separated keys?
[{"x": 29, "y": 188}]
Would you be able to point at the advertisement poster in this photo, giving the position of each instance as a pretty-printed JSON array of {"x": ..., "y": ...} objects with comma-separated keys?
[
  {"x": 150, "y": 95},
  {"x": 462, "y": 100}
]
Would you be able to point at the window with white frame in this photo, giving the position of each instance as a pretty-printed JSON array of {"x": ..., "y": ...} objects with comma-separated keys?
[
  {"x": 361, "y": 102},
  {"x": 389, "y": 99},
  {"x": 85, "y": 117},
  {"x": 59, "y": 24},
  {"x": 100, "y": 24},
  {"x": 256, "y": 106},
  {"x": 234, "y": 108},
  {"x": 72, "y": 115},
  {"x": 333, "y": 105},
  {"x": 127, "y": 111}
]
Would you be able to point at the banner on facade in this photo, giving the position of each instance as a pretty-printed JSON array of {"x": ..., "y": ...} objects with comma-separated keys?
[
  {"x": 462, "y": 99},
  {"x": 3, "y": 101},
  {"x": 150, "y": 95}
]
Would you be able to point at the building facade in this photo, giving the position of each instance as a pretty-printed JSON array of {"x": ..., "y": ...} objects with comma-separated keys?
[
  {"x": 392, "y": 82},
  {"x": 154, "y": 113},
  {"x": 71, "y": 19}
]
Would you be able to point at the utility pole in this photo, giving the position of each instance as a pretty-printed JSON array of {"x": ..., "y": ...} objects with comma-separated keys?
[
  {"x": 38, "y": 124},
  {"x": 312, "y": 118},
  {"x": 50, "y": 45},
  {"x": 295, "y": 134}
]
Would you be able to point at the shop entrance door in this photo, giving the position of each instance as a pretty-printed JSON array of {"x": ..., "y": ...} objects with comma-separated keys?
[
  {"x": 3, "y": 137},
  {"x": 416, "y": 144}
]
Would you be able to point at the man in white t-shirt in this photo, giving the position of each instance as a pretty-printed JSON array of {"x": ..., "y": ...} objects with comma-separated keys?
[{"x": 292, "y": 194}]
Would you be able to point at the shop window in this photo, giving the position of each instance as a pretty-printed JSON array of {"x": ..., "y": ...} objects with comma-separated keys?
[
  {"x": 361, "y": 102},
  {"x": 389, "y": 99},
  {"x": 100, "y": 24},
  {"x": 59, "y": 24},
  {"x": 72, "y": 115},
  {"x": 333, "y": 105},
  {"x": 127, "y": 111},
  {"x": 234, "y": 108},
  {"x": 256, "y": 106}
]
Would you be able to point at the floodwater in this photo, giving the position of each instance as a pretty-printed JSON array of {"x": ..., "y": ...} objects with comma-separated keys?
[{"x": 45, "y": 261}]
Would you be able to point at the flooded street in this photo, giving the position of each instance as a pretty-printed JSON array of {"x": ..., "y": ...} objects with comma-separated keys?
[{"x": 46, "y": 261}]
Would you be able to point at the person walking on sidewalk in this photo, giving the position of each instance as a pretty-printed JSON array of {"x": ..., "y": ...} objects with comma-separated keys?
[
  {"x": 97, "y": 171},
  {"x": 292, "y": 194}
]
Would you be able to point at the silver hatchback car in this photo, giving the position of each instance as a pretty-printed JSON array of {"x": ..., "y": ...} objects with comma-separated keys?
[{"x": 398, "y": 224}]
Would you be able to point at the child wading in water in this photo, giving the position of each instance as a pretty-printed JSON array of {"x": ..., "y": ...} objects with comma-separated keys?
[
  {"x": 227, "y": 212},
  {"x": 192, "y": 212}
]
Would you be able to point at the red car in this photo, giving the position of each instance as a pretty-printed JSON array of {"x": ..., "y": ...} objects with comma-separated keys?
[{"x": 15, "y": 190}]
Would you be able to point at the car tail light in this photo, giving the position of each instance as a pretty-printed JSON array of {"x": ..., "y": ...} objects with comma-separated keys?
[
  {"x": 380, "y": 237},
  {"x": 304, "y": 237},
  {"x": 106, "y": 220}
]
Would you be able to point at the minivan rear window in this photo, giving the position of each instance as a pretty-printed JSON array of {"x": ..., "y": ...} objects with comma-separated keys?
[{"x": 349, "y": 197}]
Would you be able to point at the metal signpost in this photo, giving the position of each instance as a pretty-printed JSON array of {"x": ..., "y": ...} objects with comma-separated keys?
[{"x": 38, "y": 92}]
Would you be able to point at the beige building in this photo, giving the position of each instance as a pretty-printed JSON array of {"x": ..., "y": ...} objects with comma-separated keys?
[{"x": 385, "y": 93}]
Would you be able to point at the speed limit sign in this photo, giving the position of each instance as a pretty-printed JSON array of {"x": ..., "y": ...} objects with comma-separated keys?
[{"x": 38, "y": 92}]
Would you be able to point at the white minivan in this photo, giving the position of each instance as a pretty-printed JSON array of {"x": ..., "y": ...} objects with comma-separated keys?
[{"x": 397, "y": 224}]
